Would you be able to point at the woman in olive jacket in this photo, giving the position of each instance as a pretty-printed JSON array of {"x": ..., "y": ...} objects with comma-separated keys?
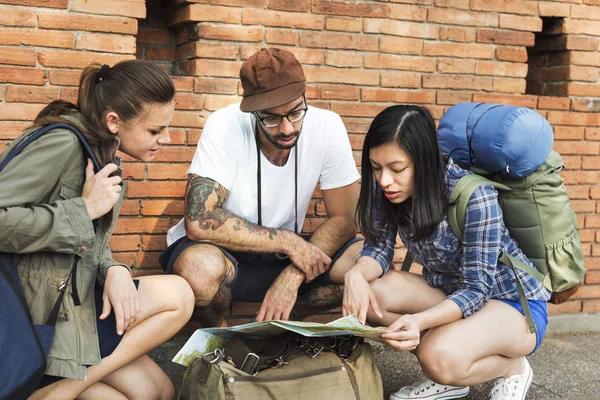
[{"x": 54, "y": 211}]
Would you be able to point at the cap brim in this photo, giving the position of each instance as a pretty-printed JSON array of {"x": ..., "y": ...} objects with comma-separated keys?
[{"x": 273, "y": 98}]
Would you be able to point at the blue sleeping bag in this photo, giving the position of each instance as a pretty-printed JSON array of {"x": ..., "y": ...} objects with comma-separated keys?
[{"x": 497, "y": 138}]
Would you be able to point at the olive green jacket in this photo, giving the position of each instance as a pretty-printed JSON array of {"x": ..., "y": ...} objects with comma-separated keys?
[{"x": 44, "y": 222}]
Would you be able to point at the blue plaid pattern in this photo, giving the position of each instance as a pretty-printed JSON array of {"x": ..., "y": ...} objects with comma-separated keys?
[{"x": 469, "y": 274}]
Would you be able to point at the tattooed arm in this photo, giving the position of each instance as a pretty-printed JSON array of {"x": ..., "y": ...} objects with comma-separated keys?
[{"x": 206, "y": 219}]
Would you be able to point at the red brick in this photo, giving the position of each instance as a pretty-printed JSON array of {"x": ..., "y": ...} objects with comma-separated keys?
[
  {"x": 126, "y": 8},
  {"x": 457, "y": 82},
  {"x": 17, "y": 56},
  {"x": 230, "y": 32},
  {"x": 592, "y": 133},
  {"x": 37, "y": 37},
  {"x": 356, "y": 109},
  {"x": 510, "y": 85},
  {"x": 162, "y": 207},
  {"x": 583, "y": 58},
  {"x": 167, "y": 172},
  {"x": 408, "y": 12},
  {"x": 183, "y": 83},
  {"x": 339, "y": 75},
  {"x": 585, "y": 105},
  {"x": 572, "y": 162},
  {"x": 573, "y": 118},
  {"x": 124, "y": 258},
  {"x": 397, "y": 96},
  {"x": 461, "y": 4},
  {"x": 583, "y": 89},
  {"x": 343, "y": 24},
  {"x": 84, "y": 22},
  {"x": 188, "y": 101},
  {"x": 180, "y": 154},
  {"x": 31, "y": 94},
  {"x": 590, "y": 163},
  {"x": 350, "y": 9},
  {"x": 234, "y": 3},
  {"x": 400, "y": 79},
  {"x": 514, "y": 100},
  {"x": 529, "y": 24},
  {"x": 106, "y": 43},
  {"x": 401, "y": 28},
  {"x": 497, "y": 68},
  {"x": 154, "y": 36},
  {"x": 587, "y": 292},
  {"x": 160, "y": 54},
  {"x": 188, "y": 119},
  {"x": 577, "y": 147},
  {"x": 388, "y": 61},
  {"x": 458, "y": 50},
  {"x": 339, "y": 92},
  {"x": 356, "y": 125},
  {"x": 513, "y": 7},
  {"x": 290, "y": 5},
  {"x": 591, "y": 306},
  {"x": 281, "y": 36},
  {"x": 133, "y": 170},
  {"x": 13, "y": 16},
  {"x": 207, "y": 50},
  {"x": 154, "y": 242},
  {"x": 11, "y": 130},
  {"x": 206, "y": 13},
  {"x": 511, "y": 53},
  {"x": 455, "y": 66},
  {"x": 283, "y": 19},
  {"x": 338, "y": 41},
  {"x": 155, "y": 189},
  {"x": 343, "y": 59},
  {"x": 569, "y": 307},
  {"x": 228, "y": 69},
  {"x": 552, "y": 9},
  {"x": 392, "y": 44},
  {"x": 215, "y": 85},
  {"x": 583, "y": 206},
  {"x": 452, "y": 97},
  {"x": 38, "y": 3},
  {"x": 568, "y": 132},
  {"x": 216, "y": 102},
  {"x": 581, "y": 177},
  {"x": 582, "y": 27},
  {"x": 19, "y": 112},
  {"x": 304, "y": 56},
  {"x": 124, "y": 243},
  {"x": 459, "y": 17},
  {"x": 553, "y": 103},
  {"x": 578, "y": 192},
  {"x": 26, "y": 75},
  {"x": 506, "y": 37},
  {"x": 77, "y": 59},
  {"x": 457, "y": 34},
  {"x": 65, "y": 77},
  {"x": 579, "y": 73},
  {"x": 585, "y": 12}
]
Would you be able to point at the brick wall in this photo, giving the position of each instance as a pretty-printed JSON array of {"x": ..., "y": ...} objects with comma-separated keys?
[{"x": 359, "y": 57}]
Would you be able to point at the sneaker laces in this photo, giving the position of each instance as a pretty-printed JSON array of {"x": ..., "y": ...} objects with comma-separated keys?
[
  {"x": 421, "y": 386},
  {"x": 506, "y": 386}
]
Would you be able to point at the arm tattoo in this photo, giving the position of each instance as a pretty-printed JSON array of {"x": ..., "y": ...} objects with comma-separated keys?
[
  {"x": 198, "y": 193},
  {"x": 199, "y": 190}
]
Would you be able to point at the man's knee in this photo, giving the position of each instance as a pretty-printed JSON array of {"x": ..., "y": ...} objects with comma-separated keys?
[{"x": 204, "y": 267}]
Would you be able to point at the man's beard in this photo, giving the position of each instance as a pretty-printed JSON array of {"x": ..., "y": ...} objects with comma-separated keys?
[{"x": 273, "y": 139}]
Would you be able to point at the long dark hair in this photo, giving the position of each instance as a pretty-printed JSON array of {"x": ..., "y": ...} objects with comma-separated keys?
[
  {"x": 126, "y": 88},
  {"x": 412, "y": 129}
]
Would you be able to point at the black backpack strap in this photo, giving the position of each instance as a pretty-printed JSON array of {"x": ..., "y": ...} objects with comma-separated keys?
[
  {"x": 87, "y": 154},
  {"x": 408, "y": 260}
]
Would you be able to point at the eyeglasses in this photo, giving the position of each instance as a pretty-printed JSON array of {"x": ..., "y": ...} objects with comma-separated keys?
[{"x": 276, "y": 120}]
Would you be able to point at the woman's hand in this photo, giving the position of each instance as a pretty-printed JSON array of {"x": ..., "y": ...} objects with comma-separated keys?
[
  {"x": 358, "y": 296},
  {"x": 404, "y": 334},
  {"x": 100, "y": 191},
  {"x": 121, "y": 295}
]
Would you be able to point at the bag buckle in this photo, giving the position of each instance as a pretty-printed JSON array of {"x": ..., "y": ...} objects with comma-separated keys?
[
  {"x": 280, "y": 361},
  {"x": 313, "y": 351},
  {"x": 250, "y": 363},
  {"x": 218, "y": 355},
  {"x": 62, "y": 286}
]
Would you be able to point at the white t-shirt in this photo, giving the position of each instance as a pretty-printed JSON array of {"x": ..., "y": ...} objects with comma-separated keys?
[{"x": 226, "y": 153}]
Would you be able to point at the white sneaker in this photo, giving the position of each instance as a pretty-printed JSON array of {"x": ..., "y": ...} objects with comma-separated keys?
[
  {"x": 514, "y": 387},
  {"x": 426, "y": 389}
]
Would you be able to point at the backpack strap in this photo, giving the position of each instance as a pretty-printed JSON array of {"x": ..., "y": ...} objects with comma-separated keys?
[
  {"x": 459, "y": 200},
  {"x": 87, "y": 152},
  {"x": 407, "y": 262}
]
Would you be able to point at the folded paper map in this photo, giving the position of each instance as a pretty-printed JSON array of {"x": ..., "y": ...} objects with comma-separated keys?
[{"x": 207, "y": 340}]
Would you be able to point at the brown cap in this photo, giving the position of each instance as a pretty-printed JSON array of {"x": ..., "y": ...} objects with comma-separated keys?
[{"x": 270, "y": 78}]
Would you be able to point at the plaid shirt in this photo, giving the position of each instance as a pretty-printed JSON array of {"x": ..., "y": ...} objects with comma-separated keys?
[{"x": 469, "y": 274}]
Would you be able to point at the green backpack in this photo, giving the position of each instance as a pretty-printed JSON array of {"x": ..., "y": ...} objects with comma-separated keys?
[{"x": 538, "y": 215}]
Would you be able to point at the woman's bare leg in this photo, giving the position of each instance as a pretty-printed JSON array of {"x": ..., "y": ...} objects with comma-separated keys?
[
  {"x": 100, "y": 390},
  {"x": 166, "y": 305}
]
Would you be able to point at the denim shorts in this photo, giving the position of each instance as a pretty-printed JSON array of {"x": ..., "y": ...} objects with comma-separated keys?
[
  {"x": 254, "y": 272},
  {"x": 108, "y": 338},
  {"x": 539, "y": 314}
]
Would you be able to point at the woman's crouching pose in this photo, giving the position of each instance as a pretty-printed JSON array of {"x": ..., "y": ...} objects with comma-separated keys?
[{"x": 462, "y": 316}]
